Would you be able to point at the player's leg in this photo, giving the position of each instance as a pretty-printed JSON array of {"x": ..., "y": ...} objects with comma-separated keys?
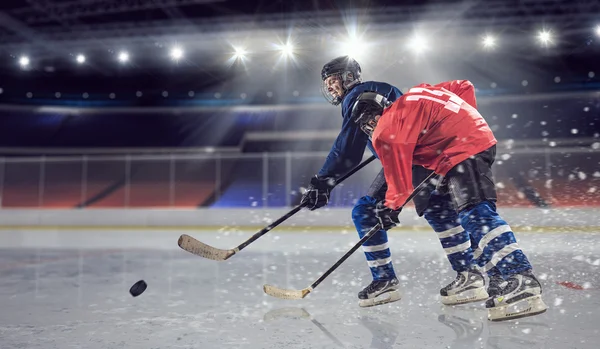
[
  {"x": 438, "y": 210},
  {"x": 469, "y": 284},
  {"x": 514, "y": 291},
  {"x": 384, "y": 288}
]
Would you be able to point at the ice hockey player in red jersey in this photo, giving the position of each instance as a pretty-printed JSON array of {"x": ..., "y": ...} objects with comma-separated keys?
[{"x": 438, "y": 127}]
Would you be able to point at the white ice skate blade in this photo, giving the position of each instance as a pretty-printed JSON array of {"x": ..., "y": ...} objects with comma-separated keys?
[
  {"x": 469, "y": 296},
  {"x": 383, "y": 298},
  {"x": 526, "y": 307}
]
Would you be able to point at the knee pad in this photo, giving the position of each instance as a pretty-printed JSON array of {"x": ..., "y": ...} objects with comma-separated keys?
[
  {"x": 441, "y": 221},
  {"x": 482, "y": 210},
  {"x": 440, "y": 212},
  {"x": 363, "y": 213}
]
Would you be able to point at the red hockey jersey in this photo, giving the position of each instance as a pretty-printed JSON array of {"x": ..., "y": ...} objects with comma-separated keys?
[{"x": 436, "y": 127}]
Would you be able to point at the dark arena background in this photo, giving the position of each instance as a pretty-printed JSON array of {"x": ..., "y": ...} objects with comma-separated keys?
[{"x": 127, "y": 123}]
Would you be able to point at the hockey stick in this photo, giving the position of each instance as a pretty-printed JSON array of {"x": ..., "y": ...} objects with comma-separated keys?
[
  {"x": 201, "y": 249},
  {"x": 299, "y": 294}
]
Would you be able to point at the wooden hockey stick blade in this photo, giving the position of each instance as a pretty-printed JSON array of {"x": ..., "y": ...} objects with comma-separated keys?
[
  {"x": 201, "y": 249},
  {"x": 286, "y": 294}
]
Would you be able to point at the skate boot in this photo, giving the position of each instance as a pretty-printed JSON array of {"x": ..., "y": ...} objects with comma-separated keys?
[
  {"x": 468, "y": 287},
  {"x": 495, "y": 285},
  {"x": 520, "y": 297},
  {"x": 379, "y": 292}
]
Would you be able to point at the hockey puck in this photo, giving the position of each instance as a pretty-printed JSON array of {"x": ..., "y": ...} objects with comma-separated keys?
[{"x": 138, "y": 288}]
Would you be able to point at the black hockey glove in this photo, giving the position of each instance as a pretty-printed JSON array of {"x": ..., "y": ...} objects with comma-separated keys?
[
  {"x": 317, "y": 194},
  {"x": 387, "y": 217}
]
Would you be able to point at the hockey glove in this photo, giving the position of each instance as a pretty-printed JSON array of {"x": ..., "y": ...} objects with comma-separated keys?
[
  {"x": 387, "y": 217},
  {"x": 317, "y": 194}
]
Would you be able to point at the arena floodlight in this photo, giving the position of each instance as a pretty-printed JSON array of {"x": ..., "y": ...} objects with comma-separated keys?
[
  {"x": 545, "y": 37},
  {"x": 287, "y": 50},
  {"x": 418, "y": 44},
  {"x": 489, "y": 41},
  {"x": 80, "y": 58},
  {"x": 354, "y": 47},
  {"x": 24, "y": 61},
  {"x": 176, "y": 53},
  {"x": 123, "y": 57},
  {"x": 239, "y": 53}
]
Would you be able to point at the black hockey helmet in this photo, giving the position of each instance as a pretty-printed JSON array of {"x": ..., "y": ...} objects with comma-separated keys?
[
  {"x": 348, "y": 71},
  {"x": 367, "y": 107}
]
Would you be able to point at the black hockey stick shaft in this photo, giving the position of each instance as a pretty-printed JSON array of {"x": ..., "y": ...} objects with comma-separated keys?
[
  {"x": 368, "y": 235},
  {"x": 299, "y": 207}
]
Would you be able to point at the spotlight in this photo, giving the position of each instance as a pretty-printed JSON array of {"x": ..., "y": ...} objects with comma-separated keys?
[
  {"x": 238, "y": 56},
  {"x": 598, "y": 30},
  {"x": 489, "y": 41},
  {"x": 239, "y": 53},
  {"x": 287, "y": 50},
  {"x": 176, "y": 53},
  {"x": 80, "y": 59},
  {"x": 545, "y": 37},
  {"x": 24, "y": 61},
  {"x": 123, "y": 57},
  {"x": 354, "y": 47},
  {"x": 418, "y": 44}
]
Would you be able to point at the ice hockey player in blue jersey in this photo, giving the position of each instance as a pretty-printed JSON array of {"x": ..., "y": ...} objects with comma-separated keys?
[{"x": 342, "y": 84}]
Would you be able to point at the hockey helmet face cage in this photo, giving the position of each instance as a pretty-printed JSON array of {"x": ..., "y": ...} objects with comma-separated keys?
[
  {"x": 344, "y": 71},
  {"x": 367, "y": 109}
]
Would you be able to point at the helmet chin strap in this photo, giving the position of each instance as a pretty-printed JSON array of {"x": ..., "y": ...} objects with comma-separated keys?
[{"x": 347, "y": 84}]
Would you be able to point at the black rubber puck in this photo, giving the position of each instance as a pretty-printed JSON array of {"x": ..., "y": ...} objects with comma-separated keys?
[{"x": 138, "y": 288}]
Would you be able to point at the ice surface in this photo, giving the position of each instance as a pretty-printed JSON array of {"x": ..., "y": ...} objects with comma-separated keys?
[{"x": 69, "y": 289}]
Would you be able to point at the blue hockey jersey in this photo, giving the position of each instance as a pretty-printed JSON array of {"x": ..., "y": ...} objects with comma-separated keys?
[{"x": 348, "y": 149}]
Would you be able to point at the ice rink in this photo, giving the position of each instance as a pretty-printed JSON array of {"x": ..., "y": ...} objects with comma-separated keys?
[{"x": 69, "y": 289}]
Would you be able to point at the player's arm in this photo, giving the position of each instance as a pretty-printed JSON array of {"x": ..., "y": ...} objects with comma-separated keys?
[
  {"x": 397, "y": 164},
  {"x": 347, "y": 152},
  {"x": 395, "y": 147}
]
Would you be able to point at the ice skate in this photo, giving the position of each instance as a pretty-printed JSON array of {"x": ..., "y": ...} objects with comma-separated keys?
[
  {"x": 379, "y": 292},
  {"x": 495, "y": 285},
  {"x": 468, "y": 287},
  {"x": 520, "y": 297}
]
